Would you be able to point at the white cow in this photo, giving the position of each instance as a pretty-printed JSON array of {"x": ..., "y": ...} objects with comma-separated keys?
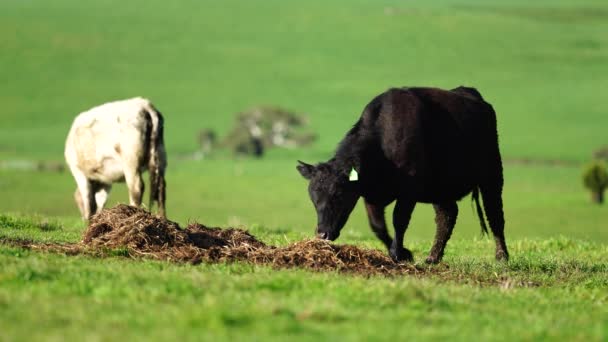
[{"x": 116, "y": 142}]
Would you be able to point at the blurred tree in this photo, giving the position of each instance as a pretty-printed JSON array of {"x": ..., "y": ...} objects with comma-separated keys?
[
  {"x": 601, "y": 153},
  {"x": 595, "y": 178},
  {"x": 259, "y": 128}
]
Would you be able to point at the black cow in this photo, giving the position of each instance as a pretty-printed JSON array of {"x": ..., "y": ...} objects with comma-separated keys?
[{"x": 413, "y": 145}]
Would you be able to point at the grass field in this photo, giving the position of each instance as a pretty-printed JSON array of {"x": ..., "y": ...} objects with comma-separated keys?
[{"x": 542, "y": 65}]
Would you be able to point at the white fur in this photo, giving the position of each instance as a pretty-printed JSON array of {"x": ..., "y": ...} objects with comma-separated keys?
[{"x": 107, "y": 144}]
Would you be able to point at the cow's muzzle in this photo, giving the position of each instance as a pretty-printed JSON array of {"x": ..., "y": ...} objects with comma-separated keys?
[{"x": 325, "y": 235}]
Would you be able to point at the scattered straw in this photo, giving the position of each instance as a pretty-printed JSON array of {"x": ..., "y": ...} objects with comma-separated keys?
[{"x": 145, "y": 235}]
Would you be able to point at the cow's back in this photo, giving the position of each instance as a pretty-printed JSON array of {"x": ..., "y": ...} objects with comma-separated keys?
[
  {"x": 434, "y": 138},
  {"x": 102, "y": 137}
]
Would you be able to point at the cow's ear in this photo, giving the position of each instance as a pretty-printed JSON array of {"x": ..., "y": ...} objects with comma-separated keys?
[{"x": 306, "y": 170}]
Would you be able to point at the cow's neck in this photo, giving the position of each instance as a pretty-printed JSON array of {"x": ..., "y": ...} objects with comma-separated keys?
[{"x": 351, "y": 151}]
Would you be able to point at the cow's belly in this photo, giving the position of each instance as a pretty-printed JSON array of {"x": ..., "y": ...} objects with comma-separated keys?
[
  {"x": 449, "y": 179},
  {"x": 444, "y": 189},
  {"x": 443, "y": 195},
  {"x": 104, "y": 165},
  {"x": 103, "y": 151},
  {"x": 108, "y": 170}
]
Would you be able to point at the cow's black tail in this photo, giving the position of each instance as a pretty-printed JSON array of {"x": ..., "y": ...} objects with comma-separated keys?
[
  {"x": 157, "y": 161},
  {"x": 482, "y": 221}
]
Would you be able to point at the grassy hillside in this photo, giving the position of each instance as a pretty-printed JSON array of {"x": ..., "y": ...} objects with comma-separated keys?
[{"x": 541, "y": 66}]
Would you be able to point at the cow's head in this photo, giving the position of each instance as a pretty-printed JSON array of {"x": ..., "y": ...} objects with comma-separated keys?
[{"x": 333, "y": 195}]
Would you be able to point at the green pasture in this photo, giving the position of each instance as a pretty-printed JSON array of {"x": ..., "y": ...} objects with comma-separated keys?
[
  {"x": 55, "y": 297},
  {"x": 543, "y": 66}
]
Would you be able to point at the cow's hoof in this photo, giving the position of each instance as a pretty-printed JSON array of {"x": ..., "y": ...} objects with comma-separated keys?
[
  {"x": 401, "y": 255},
  {"x": 502, "y": 256},
  {"x": 432, "y": 260}
]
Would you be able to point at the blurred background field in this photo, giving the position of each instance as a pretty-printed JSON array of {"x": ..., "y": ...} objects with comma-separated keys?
[{"x": 543, "y": 65}]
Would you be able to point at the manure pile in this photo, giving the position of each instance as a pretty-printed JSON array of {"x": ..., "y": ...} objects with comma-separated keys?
[{"x": 141, "y": 234}]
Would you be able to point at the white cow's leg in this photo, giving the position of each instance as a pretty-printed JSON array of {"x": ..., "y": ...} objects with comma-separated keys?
[
  {"x": 136, "y": 187},
  {"x": 101, "y": 196},
  {"x": 86, "y": 203},
  {"x": 132, "y": 145},
  {"x": 79, "y": 203}
]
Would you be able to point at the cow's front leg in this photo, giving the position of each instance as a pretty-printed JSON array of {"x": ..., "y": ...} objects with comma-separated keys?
[
  {"x": 375, "y": 214},
  {"x": 80, "y": 203},
  {"x": 445, "y": 218},
  {"x": 401, "y": 219},
  {"x": 84, "y": 196}
]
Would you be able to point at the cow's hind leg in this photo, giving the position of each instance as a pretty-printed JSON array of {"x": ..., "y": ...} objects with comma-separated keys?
[
  {"x": 445, "y": 217},
  {"x": 375, "y": 214},
  {"x": 136, "y": 187},
  {"x": 492, "y": 203},
  {"x": 401, "y": 219},
  {"x": 133, "y": 143},
  {"x": 102, "y": 191}
]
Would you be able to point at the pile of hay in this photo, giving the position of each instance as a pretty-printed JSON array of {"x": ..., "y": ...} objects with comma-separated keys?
[{"x": 145, "y": 235}]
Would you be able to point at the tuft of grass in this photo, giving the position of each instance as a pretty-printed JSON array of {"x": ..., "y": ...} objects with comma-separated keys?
[{"x": 23, "y": 223}]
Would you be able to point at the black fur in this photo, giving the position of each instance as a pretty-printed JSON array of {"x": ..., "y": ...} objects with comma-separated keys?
[
  {"x": 157, "y": 162},
  {"x": 414, "y": 145}
]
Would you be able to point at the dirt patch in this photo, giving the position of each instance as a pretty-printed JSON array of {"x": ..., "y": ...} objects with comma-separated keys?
[{"x": 137, "y": 233}]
